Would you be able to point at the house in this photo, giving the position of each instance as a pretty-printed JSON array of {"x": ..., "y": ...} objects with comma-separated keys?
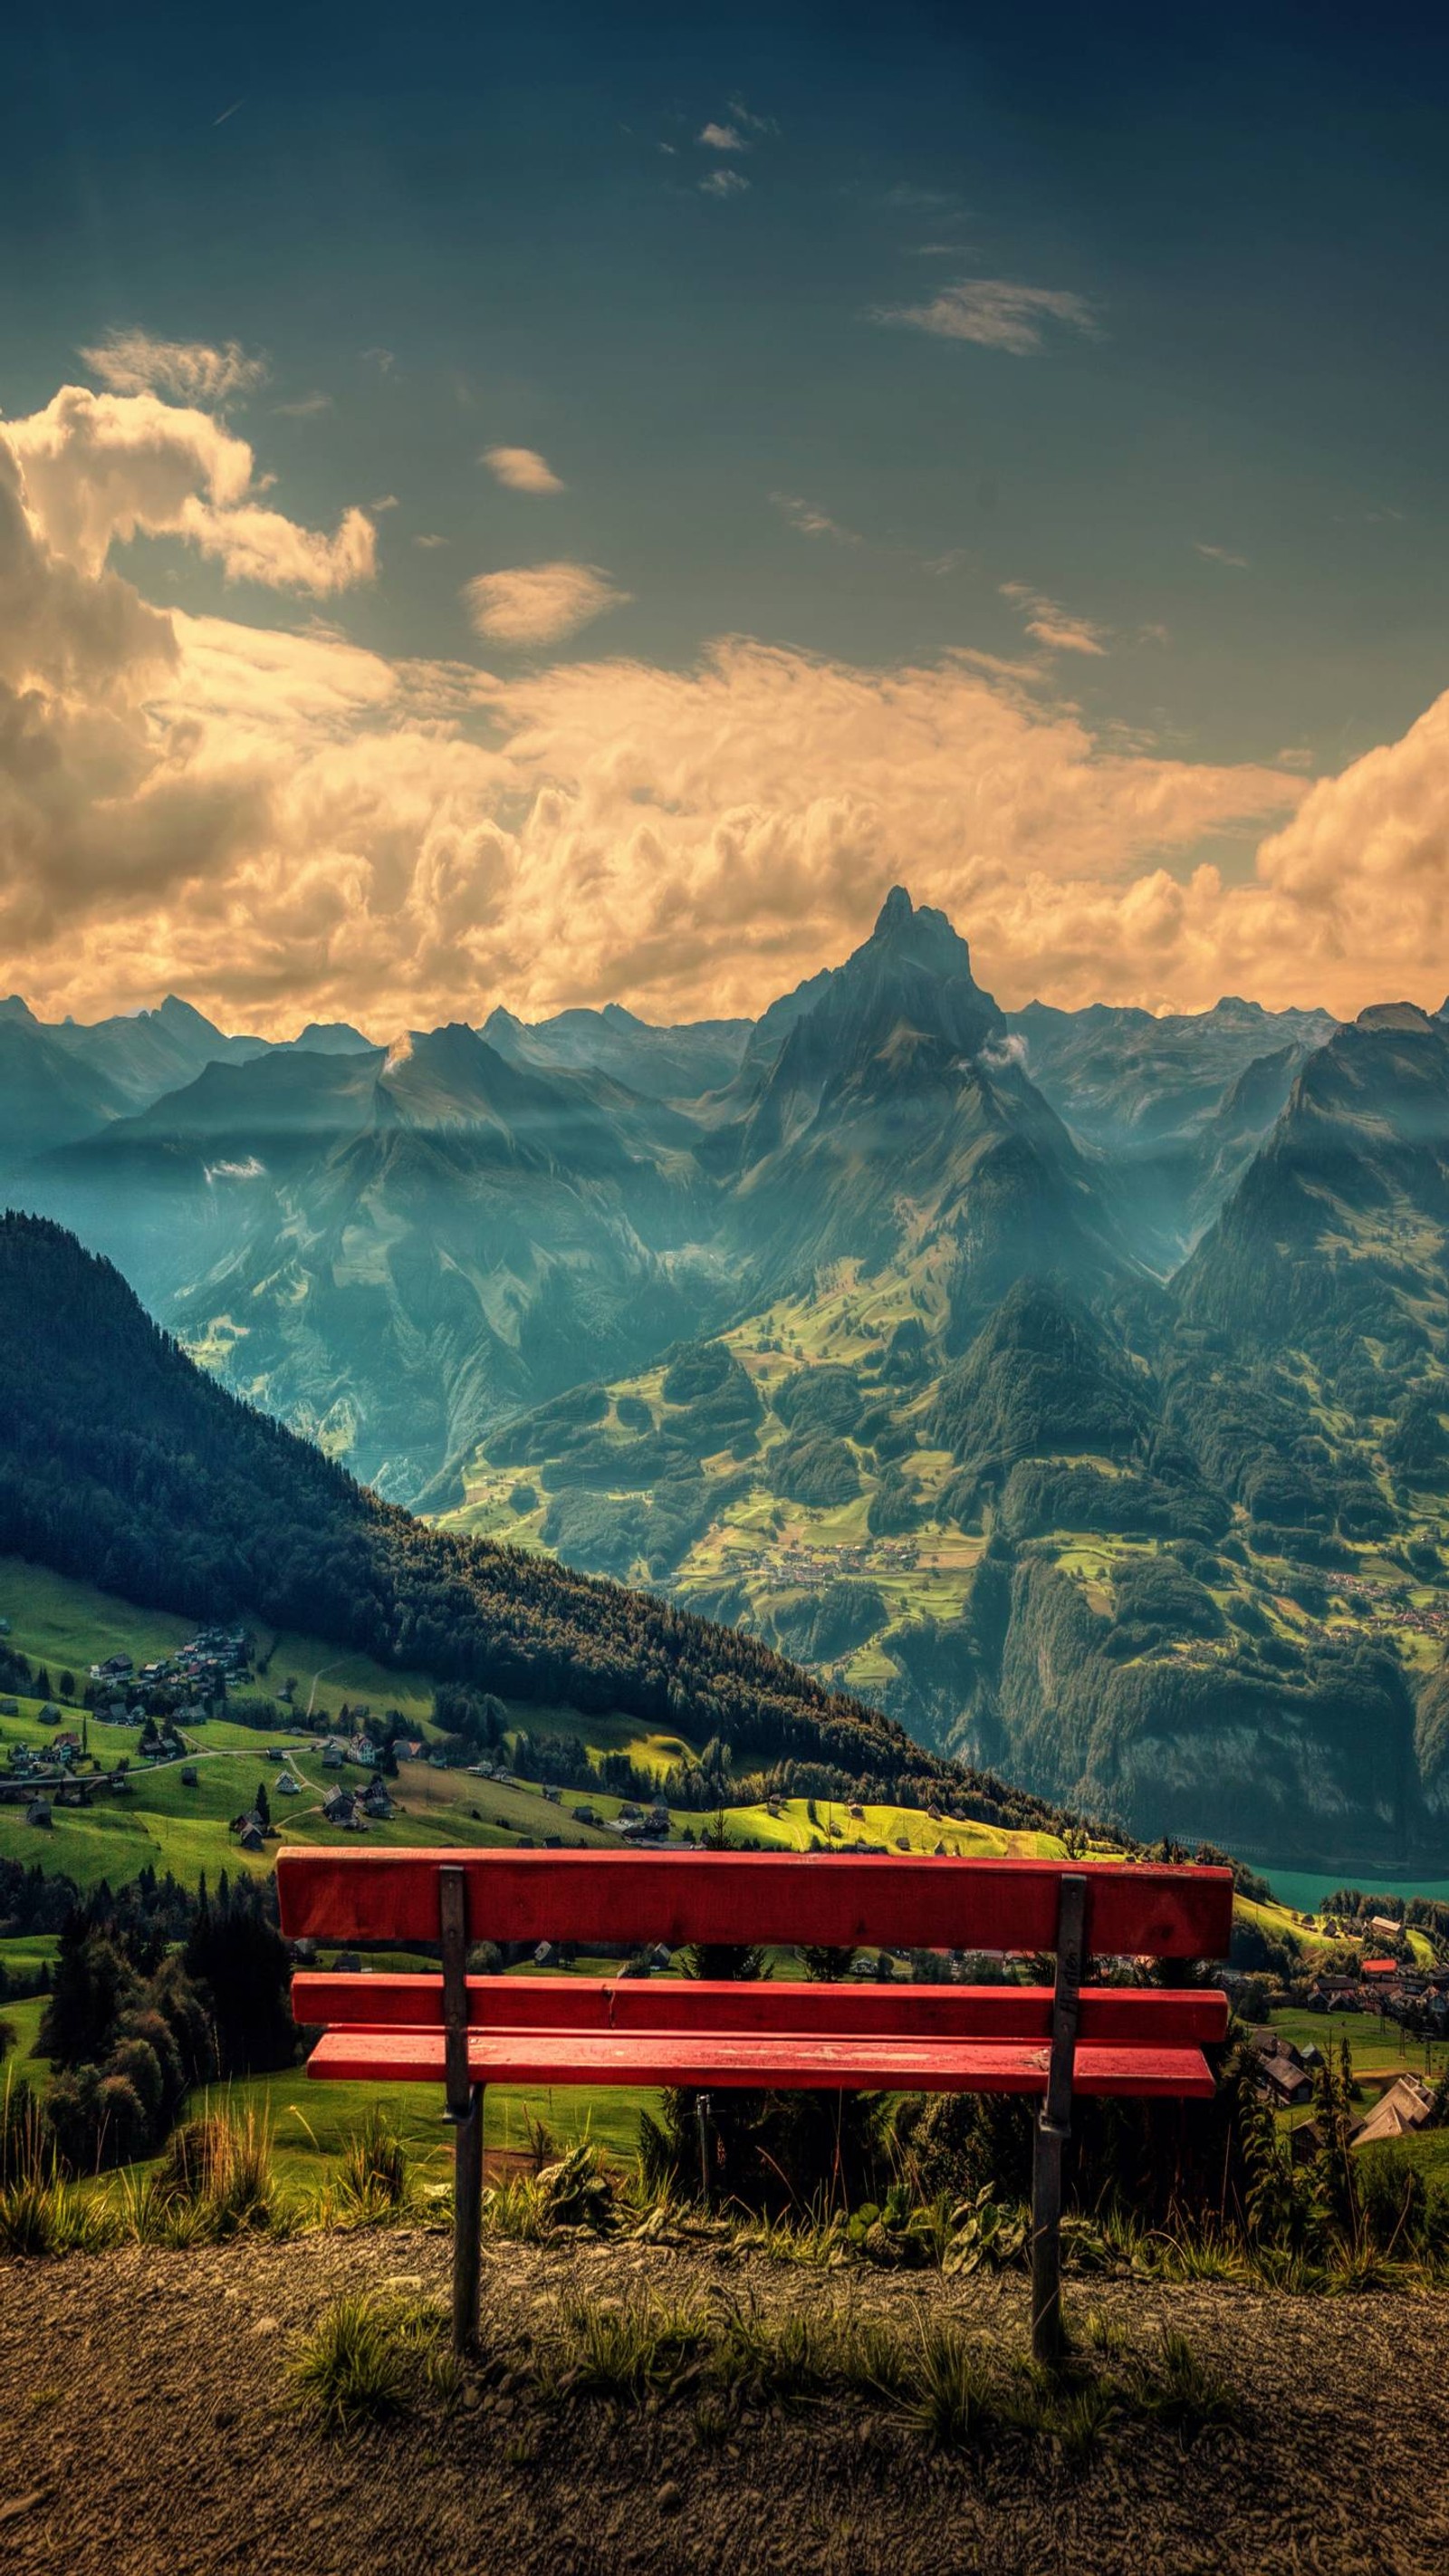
[
  {"x": 363, "y": 1750},
  {"x": 250, "y": 1837},
  {"x": 190, "y": 1776},
  {"x": 337, "y": 1807},
  {"x": 333, "y": 1756},
  {"x": 375, "y": 1800},
  {"x": 284, "y": 1784},
  {"x": 1379, "y": 1972},
  {"x": 1278, "y": 2071},
  {"x": 1385, "y": 1927},
  {"x": 1405, "y": 2107},
  {"x": 38, "y": 1812},
  {"x": 584, "y": 1816},
  {"x": 546, "y": 1955}
]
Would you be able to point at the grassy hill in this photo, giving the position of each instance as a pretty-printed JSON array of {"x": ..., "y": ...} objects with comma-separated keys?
[{"x": 1092, "y": 1551}]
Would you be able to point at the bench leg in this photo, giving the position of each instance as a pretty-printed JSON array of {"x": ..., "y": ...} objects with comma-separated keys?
[
  {"x": 1046, "y": 2243},
  {"x": 467, "y": 2220},
  {"x": 1054, "y": 2124}
]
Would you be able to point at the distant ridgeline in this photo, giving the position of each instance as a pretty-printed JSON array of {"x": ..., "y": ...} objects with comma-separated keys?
[
  {"x": 123, "y": 1463},
  {"x": 1066, "y": 1386}
]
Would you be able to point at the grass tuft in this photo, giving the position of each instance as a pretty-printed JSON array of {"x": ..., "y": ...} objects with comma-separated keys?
[{"x": 368, "y": 2359}]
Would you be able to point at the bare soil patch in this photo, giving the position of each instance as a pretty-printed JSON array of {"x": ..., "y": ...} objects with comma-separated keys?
[{"x": 148, "y": 2427}]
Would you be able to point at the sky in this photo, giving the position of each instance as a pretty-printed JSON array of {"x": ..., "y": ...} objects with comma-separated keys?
[{"x": 571, "y": 505}]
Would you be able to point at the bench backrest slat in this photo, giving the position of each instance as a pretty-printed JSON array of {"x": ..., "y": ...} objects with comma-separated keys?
[
  {"x": 1121, "y": 2016},
  {"x": 1150, "y": 1910}
]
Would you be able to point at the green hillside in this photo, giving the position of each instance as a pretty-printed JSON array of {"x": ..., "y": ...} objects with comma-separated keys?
[{"x": 1088, "y": 1552}]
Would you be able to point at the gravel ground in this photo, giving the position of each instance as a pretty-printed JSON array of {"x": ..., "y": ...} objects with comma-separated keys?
[{"x": 147, "y": 2429}]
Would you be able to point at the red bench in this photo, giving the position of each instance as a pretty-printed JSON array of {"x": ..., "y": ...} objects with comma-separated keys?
[{"x": 1048, "y": 2041}]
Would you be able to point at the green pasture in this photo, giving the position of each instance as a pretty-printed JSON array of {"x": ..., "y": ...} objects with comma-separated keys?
[
  {"x": 1376, "y": 2047},
  {"x": 311, "y": 2123},
  {"x": 69, "y": 1625}
]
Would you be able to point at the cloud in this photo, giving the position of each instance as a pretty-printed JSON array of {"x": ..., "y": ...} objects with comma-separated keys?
[
  {"x": 1055, "y": 626},
  {"x": 384, "y": 360},
  {"x": 521, "y": 469},
  {"x": 263, "y": 546},
  {"x": 385, "y": 501},
  {"x": 539, "y": 603},
  {"x": 429, "y": 542},
  {"x": 307, "y": 407},
  {"x": 722, "y": 138},
  {"x": 724, "y": 183},
  {"x": 131, "y": 362},
  {"x": 812, "y": 522},
  {"x": 284, "y": 825},
  {"x": 101, "y": 469},
  {"x": 1220, "y": 554},
  {"x": 995, "y": 313}
]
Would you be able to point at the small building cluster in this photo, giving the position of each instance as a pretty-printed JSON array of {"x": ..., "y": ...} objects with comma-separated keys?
[{"x": 183, "y": 1685}]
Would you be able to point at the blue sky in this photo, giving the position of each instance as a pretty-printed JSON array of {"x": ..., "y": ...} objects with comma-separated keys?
[{"x": 1104, "y": 345}]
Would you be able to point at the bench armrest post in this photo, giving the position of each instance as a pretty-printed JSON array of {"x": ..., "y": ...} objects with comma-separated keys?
[
  {"x": 453, "y": 1938},
  {"x": 464, "y": 2106},
  {"x": 1054, "y": 2123}
]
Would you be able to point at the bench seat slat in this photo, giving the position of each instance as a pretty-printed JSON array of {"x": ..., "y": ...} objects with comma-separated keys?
[
  {"x": 790, "y": 2062},
  {"x": 1122, "y": 2015},
  {"x": 1159, "y": 1910}
]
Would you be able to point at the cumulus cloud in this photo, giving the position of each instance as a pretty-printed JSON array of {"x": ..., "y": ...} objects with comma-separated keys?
[
  {"x": 1220, "y": 554},
  {"x": 132, "y": 362},
  {"x": 1052, "y": 625},
  {"x": 284, "y": 825},
  {"x": 539, "y": 603},
  {"x": 522, "y": 469},
  {"x": 996, "y": 313},
  {"x": 724, "y": 183},
  {"x": 722, "y": 138},
  {"x": 100, "y": 469}
]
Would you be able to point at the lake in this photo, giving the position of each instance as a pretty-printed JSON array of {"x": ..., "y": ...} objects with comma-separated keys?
[{"x": 1305, "y": 1889}]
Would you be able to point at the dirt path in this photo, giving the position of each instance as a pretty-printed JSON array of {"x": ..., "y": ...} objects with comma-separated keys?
[{"x": 146, "y": 2430}]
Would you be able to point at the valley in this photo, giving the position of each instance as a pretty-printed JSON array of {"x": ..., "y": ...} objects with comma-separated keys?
[{"x": 1063, "y": 1386}]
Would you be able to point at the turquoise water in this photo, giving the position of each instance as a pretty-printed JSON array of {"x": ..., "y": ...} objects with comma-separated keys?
[{"x": 1305, "y": 1889}]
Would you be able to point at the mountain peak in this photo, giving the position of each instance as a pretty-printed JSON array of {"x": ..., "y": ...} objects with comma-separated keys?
[
  {"x": 916, "y": 931},
  {"x": 896, "y": 911},
  {"x": 1393, "y": 1015}
]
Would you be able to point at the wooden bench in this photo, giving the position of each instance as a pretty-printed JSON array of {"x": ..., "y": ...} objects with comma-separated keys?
[{"x": 466, "y": 2032}]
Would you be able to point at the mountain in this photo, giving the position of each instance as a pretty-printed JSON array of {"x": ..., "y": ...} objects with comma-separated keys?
[
  {"x": 1123, "y": 1077},
  {"x": 1066, "y": 1388},
  {"x": 663, "y": 1064},
  {"x": 398, "y": 1250},
  {"x": 1174, "y": 1106},
  {"x": 149, "y": 1053},
  {"x": 894, "y": 1123},
  {"x": 124, "y": 1464},
  {"x": 392, "y": 1248},
  {"x": 50, "y": 1099},
  {"x": 1337, "y": 1235},
  {"x": 329, "y": 1037}
]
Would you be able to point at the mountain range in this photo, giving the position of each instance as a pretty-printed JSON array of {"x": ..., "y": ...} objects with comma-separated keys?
[{"x": 1065, "y": 1384}]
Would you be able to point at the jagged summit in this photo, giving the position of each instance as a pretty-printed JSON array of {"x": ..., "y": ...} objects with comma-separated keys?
[{"x": 921, "y": 933}]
